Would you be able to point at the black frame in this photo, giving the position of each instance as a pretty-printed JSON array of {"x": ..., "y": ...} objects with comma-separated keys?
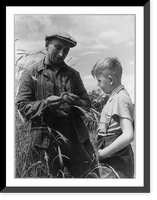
[{"x": 147, "y": 174}]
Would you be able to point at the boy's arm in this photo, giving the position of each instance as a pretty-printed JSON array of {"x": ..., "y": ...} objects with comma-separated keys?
[{"x": 122, "y": 141}]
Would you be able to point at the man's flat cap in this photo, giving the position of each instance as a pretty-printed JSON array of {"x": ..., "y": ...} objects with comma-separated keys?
[{"x": 63, "y": 36}]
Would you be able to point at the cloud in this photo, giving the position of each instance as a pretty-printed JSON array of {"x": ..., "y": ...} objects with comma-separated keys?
[
  {"x": 93, "y": 31},
  {"x": 128, "y": 82},
  {"x": 90, "y": 83},
  {"x": 114, "y": 36},
  {"x": 37, "y": 26},
  {"x": 109, "y": 35},
  {"x": 131, "y": 43},
  {"x": 89, "y": 52},
  {"x": 88, "y": 77},
  {"x": 120, "y": 29},
  {"x": 131, "y": 62},
  {"x": 99, "y": 46}
]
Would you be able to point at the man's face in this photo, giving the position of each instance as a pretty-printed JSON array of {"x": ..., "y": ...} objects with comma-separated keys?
[{"x": 57, "y": 50}]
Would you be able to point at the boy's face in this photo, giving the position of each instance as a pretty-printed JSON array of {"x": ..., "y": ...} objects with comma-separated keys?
[{"x": 105, "y": 83}]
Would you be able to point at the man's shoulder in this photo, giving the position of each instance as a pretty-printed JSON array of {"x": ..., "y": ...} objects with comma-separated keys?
[
  {"x": 72, "y": 69},
  {"x": 37, "y": 66}
]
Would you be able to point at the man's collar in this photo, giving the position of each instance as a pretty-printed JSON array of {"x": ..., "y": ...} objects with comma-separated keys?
[
  {"x": 41, "y": 65},
  {"x": 44, "y": 65},
  {"x": 54, "y": 66}
]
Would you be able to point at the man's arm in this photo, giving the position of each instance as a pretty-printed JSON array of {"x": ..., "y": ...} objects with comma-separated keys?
[
  {"x": 29, "y": 107},
  {"x": 26, "y": 103}
]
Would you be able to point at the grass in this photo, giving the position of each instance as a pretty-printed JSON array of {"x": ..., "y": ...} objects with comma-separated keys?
[
  {"x": 23, "y": 140},
  {"x": 24, "y": 163},
  {"x": 26, "y": 166}
]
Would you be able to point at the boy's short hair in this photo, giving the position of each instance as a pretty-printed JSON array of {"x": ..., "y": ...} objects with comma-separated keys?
[{"x": 112, "y": 64}]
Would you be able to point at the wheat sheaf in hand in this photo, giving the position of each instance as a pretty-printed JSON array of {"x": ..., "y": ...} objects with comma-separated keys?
[{"x": 70, "y": 98}]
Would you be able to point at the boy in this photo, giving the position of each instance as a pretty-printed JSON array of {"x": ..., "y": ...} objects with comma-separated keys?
[{"x": 115, "y": 131}]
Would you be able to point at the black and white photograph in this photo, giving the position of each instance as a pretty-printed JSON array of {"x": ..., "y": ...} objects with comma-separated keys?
[
  {"x": 75, "y": 98},
  {"x": 59, "y": 103}
]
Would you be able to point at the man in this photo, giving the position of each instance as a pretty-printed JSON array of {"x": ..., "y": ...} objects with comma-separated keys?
[{"x": 48, "y": 95}]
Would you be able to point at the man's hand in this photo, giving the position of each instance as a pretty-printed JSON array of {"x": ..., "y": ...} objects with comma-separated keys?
[
  {"x": 53, "y": 102},
  {"x": 70, "y": 98}
]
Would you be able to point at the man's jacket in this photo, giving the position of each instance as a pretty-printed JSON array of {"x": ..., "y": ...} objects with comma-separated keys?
[{"x": 40, "y": 81}]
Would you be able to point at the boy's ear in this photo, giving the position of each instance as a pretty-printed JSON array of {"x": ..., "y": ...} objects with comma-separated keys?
[{"x": 111, "y": 79}]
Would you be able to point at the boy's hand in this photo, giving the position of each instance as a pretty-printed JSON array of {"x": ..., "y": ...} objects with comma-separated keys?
[
  {"x": 97, "y": 156},
  {"x": 100, "y": 155}
]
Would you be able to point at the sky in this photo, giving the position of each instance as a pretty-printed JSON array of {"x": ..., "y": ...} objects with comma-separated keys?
[{"x": 97, "y": 36}]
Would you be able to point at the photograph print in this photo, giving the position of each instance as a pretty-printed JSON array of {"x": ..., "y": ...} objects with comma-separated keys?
[{"x": 74, "y": 96}]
